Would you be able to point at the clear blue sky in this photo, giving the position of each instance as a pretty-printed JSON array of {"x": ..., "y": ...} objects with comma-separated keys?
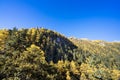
[{"x": 92, "y": 19}]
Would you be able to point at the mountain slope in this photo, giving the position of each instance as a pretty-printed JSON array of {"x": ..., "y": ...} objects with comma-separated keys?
[
  {"x": 55, "y": 45},
  {"x": 98, "y": 52},
  {"x": 42, "y": 54}
]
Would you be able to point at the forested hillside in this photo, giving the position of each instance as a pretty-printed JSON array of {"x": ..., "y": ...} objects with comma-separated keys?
[{"x": 42, "y": 54}]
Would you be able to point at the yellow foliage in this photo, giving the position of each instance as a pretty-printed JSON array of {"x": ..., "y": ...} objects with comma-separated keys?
[
  {"x": 68, "y": 75},
  {"x": 30, "y": 33},
  {"x": 87, "y": 69},
  {"x": 83, "y": 77},
  {"x": 73, "y": 67},
  {"x": 3, "y": 37},
  {"x": 60, "y": 65},
  {"x": 115, "y": 74},
  {"x": 33, "y": 46},
  {"x": 35, "y": 51},
  {"x": 28, "y": 66}
]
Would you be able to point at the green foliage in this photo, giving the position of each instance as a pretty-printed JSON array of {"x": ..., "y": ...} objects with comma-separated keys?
[
  {"x": 42, "y": 54},
  {"x": 53, "y": 44}
]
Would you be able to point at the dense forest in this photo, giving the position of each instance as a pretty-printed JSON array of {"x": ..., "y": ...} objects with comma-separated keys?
[{"x": 42, "y": 54}]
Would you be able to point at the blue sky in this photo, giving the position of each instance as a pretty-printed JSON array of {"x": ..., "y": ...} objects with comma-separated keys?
[{"x": 92, "y": 19}]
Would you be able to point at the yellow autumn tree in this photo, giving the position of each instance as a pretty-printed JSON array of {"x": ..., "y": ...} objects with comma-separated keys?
[
  {"x": 3, "y": 37},
  {"x": 68, "y": 75},
  {"x": 60, "y": 65},
  {"x": 73, "y": 67},
  {"x": 32, "y": 33},
  {"x": 115, "y": 74}
]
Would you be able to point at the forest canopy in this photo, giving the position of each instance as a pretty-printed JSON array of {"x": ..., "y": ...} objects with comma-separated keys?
[{"x": 42, "y": 54}]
